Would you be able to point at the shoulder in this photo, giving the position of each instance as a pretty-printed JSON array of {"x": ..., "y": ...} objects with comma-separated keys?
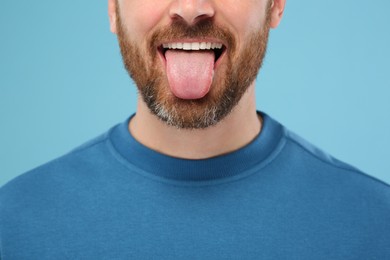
[
  {"x": 325, "y": 170},
  {"x": 338, "y": 193},
  {"x": 311, "y": 150},
  {"x": 54, "y": 176}
]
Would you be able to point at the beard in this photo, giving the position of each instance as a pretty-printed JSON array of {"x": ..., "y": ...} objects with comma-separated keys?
[{"x": 233, "y": 78}]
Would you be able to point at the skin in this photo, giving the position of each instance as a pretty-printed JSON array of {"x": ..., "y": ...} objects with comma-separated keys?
[{"x": 242, "y": 125}]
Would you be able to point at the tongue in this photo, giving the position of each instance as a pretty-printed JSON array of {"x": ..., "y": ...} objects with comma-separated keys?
[{"x": 190, "y": 73}]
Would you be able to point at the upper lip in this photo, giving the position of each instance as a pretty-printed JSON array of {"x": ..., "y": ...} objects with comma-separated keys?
[{"x": 191, "y": 40}]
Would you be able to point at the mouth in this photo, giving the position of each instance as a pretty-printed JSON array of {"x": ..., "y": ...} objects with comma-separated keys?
[
  {"x": 219, "y": 49},
  {"x": 190, "y": 66}
]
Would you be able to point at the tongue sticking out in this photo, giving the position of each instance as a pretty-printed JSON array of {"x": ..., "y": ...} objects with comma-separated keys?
[{"x": 190, "y": 73}]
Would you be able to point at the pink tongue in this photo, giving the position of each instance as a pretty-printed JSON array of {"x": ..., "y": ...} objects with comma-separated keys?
[{"x": 190, "y": 73}]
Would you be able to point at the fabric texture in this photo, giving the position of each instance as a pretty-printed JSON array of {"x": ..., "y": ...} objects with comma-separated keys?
[{"x": 279, "y": 197}]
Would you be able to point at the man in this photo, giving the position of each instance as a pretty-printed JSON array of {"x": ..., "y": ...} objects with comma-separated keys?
[{"x": 196, "y": 173}]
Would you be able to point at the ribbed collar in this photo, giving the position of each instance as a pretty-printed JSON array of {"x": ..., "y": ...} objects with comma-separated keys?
[{"x": 219, "y": 167}]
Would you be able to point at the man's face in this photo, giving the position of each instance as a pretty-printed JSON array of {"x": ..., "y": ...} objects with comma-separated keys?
[{"x": 192, "y": 88}]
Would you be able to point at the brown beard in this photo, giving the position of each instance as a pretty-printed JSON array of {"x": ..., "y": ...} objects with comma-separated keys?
[{"x": 239, "y": 70}]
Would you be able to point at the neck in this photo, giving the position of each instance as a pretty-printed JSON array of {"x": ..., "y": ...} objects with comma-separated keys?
[{"x": 238, "y": 129}]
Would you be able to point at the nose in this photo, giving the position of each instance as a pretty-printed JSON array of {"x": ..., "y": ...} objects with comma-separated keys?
[{"x": 191, "y": 11}]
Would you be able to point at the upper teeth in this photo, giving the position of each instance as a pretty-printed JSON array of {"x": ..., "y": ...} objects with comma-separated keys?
[{"x": 193, "y": 46}]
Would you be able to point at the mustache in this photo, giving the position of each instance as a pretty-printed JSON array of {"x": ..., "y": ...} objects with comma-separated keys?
[{"x": 179, "y": 29}]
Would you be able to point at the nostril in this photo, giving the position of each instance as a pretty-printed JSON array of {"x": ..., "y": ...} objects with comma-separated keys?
[
  {"x": 191, "y": 11},
  {"x": 201, "y": 18}
]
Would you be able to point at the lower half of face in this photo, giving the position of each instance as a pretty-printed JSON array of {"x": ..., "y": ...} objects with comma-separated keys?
[{"x": 179, "y": 99}]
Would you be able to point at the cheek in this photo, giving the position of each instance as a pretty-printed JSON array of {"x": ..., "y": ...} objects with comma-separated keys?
[
  {"x": 244, "y": 17},
  {"x": 142, "y": 17}
]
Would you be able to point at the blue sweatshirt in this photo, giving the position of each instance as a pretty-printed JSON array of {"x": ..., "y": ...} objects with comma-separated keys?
[{"x": 279, "y": 197}]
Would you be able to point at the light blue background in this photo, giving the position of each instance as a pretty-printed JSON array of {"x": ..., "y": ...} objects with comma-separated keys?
[{"x": 62, "y": 82}]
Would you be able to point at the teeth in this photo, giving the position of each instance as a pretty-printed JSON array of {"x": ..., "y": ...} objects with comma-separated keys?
[
  {"x": 192, "y": 46},
  {"x": 195, "y": 46},
  {"x": 186, "y": 46}
]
